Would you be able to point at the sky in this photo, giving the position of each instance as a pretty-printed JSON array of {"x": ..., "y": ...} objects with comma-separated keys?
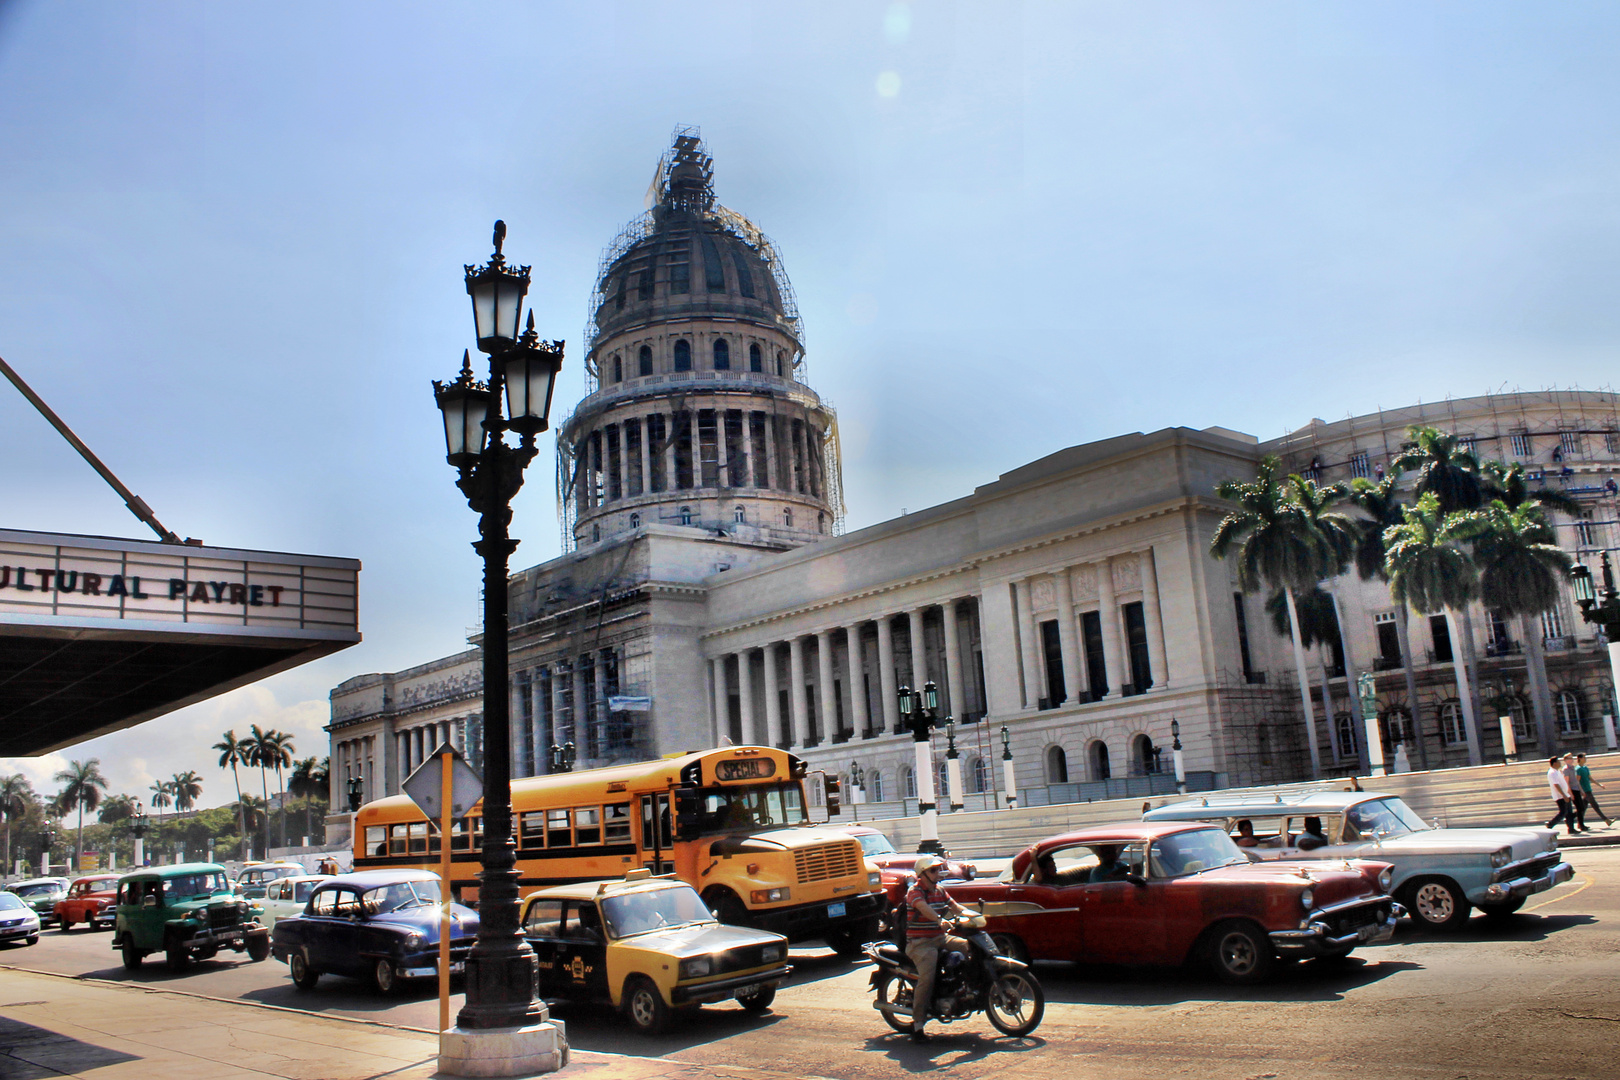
[{"x": 232, "y": 239}]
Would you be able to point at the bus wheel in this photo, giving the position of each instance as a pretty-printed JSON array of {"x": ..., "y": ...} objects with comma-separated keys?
[{"x": 726, "y": 907}]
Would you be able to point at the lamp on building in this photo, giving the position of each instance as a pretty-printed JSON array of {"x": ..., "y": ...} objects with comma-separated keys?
[
  {"x": 357, "y": 791},
  {"x": 918, "y": 711},
  {"x": 562, "y": 757},
  {"x": 1603, "y": 613},
  {"x": 501, "y": 974},
  {"x": 1176, "y": 756},
  {"x": 1009, "y": 779}
]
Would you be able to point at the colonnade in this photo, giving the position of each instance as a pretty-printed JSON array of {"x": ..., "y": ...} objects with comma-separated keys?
[
  {"x": 562, "y": 701},
  {"x": 351, "y": 757}
]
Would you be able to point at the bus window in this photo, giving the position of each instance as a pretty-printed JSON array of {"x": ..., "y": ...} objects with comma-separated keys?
[
  {"x": 418, "y": 838},
  {"x": 618, "y": 823},
  {"x": 663, "y": 841},
  {"x": 377, "y": 839},
  {"x": 558, "y": 833},
  {"x": 532, "y": 830},
  {"x": 398, "y": 840},
  {"x": 458, "y": 835},
  {"x": 477, "y": 831},
  {"x": 588, "y": 825}
]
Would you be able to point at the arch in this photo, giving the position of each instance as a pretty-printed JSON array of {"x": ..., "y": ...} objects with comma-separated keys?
[
  {"x": 1344, "y": 735},
  {"x": 1451, "y": 724},
  {"x": 754, "y": 361},
  {"x": 1523, "y": 730},
  {"x": 635, "y": 519},
  {"x": 722, "y": 355},
  {"x": 1567, "y": 705},
  {"x": 618, "y": 368},
  {"x": 979, "y": 776},
  {"x": 683, "y": 355},
  {"x": 739, "y": 515},
  {"x": 596, "y": 533},
  {"x": 644, "y": 361},
  {"x": 1097, "y": 756},
  {"x": 908, "y": 783},
  {"x": 1144, "y": 755},
  {"x": 787, "y": 517},
  {"x": 686, "y": 515},
  {"x": 780, "y": 357},
  {"x": 1057, "y": 765},
  {"x": 875, "y": 779},
  {"x": 821, "y": 523},
  {"x": 942, "y": 782}
]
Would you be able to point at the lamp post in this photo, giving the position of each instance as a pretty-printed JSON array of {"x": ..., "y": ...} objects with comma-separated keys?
[
  {"x": 1008, "y": 779},
  {"x": 953, "y": 765},
  {"x": 918, "y": 711},
  {"x": 1367, "y": 690},
  {"x": 1504, "y": 718},
  {"x": 137, "y": 825},
  {"x": 1604, "y": 614},
  {"x": 357, "y": 788},
  {"x": 501, "y": 976},
  {"x": 562, "y": 757},
  {"x": 857, "y": 788},
  {"x": 1176, "y": 757}
]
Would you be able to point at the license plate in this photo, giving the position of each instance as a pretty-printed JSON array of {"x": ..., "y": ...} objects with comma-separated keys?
[
  {"x": 750, "y": 990},
  {"x": 457, "y": 967},
  {"x": 835, "y": 911}
]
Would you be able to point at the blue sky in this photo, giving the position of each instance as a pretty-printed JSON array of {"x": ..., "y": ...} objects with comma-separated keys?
[{"x": 231, "y": 240}]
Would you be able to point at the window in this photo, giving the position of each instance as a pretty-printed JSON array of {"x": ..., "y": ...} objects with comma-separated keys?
[
  {"x": 754, "y": 363},
  {"x": 714, "y": 275},
  {"x": 1396, "y": 725},
  {"x": 1522, "y": 446},
  {"x": 644, "y": 361},
  {"x": 686, "y": 515},
  {"x": 635, "y": 520},
  {"x": 1389, "y": 638},
  {"x": 722, "y": 355},
  {"x": 1344, "y": 735},
  {"x": 1568, "y": 706},
  {"x": 908, "y": 783},
  {"x": 1611, "y": 441},
  {"x": 617, "y": 826},
  {"x": 644, "y": 280},
  {"x": 532, "y": 829},
  {"x": 596, "y": 533},
  {"x": 745, "y": 278},
  {"x": 780, "y": 366},
  {"x": 1523, "y": 730},
  {"x": 1571, "y": 443},
  {"x": 1136, "y": 647},
  {"x": 1100, "y": 768},
  {"x": 739, "y": 515},
  {"x": 618, "y": 299},
  {"x": 787, "y": 518},
  {"x": 1585, "y": 534},
  {"x": 618, "y": 368},
  {"x": 680, "y": 269},
  {"x": 588, "y": 825},
  {"x": 875, "y": 779},
  {"x": 1052, "y": 652},
  {"x": 1144, "y": 756},
  {"x": 1552, "y": 623},
  {"x": 1451, "y": 724},
  {"x": 821, "y": 523},
  {"x": 1242, "y": 634},
  {"x": 942, "y": 782},
  {"x": 1440, "y": 633},
  {"x": 544, "y": 919},
  {"x": 1057, "y": 766},
  {"x": 683, "y": 355},
  {"x": 1358, "y": 465},
  {"x": 979, "y": 776},
  {"x": 1465, "y": 445},
  {"x": 559, "y": 832}
]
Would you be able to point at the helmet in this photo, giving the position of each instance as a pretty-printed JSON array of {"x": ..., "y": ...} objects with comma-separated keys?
[{"x": 928, "y": 862}]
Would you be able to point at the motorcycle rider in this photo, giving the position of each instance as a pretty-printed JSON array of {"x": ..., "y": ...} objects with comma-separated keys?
[{"x": 928, "y": 935}]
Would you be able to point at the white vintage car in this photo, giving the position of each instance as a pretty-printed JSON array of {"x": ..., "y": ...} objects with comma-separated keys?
[
  {"x": 1440, "y": 875},
  {"x": 285, "y": 897}
]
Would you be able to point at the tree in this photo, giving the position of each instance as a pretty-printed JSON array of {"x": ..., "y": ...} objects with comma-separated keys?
[
  {"x": 160, "y": 796},
  {"x": 15, "y": 795},
  {"x": 1284, "y": 537},
  {"x": 259, "y": 751},
  {"x": 231, "y": 753},
  {"x": 275, "y": 751},
  {"x": 116, "y": 808},
  {"x": 309, "y": 781},
  {"x": 185, "y": 787},
  {"x": 82, "y": 787},
  {"x": 1444, "y": 469},
  {"x": 1429, "y": 569}
]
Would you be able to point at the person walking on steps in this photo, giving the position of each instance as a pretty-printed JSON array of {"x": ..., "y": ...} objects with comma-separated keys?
[
  {"x": 1559, "y": 788},
  {"x": 1583, "y": 776}
]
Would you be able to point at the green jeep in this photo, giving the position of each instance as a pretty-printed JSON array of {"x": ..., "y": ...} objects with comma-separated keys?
[{"x": 188, "y": 912}]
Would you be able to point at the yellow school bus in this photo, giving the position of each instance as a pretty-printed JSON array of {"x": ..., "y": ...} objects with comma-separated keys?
[{"x": 732, "y": 822}]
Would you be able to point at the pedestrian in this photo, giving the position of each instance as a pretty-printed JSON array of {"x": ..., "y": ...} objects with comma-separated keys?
[
  {"x": 1559, "y": 787},
  {"x": 1584, "y": 776},
  {"x": 1577, "y": 797}
]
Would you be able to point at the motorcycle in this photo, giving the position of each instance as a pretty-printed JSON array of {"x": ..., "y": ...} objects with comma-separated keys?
[{"x": 1014, "y": 1003}]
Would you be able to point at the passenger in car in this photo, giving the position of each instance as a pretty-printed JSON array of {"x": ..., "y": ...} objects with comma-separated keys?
[
  {"x": 1312, "y": 837},
  {"x": 1245, "y": 836}
]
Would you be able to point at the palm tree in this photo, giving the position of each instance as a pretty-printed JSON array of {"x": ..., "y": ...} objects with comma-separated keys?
[
  {"x": 256, "y": 747},
  {"x": 15, "y": 793},
  {"x": 82, "y": 787},
  {"x": 186, "y": 787},
  {"x": 1382, "y": 505},
  {"x": 1520, "y": 566},
  {"x": 1283, "y": 539},
  {"x": 1444, "y": 469},
  {"x": 276, "y": 751},
  {"x": 1429, "y": 570},
  {"x": 160, "y": 796},
  {"x": 231, "y": 753},
  {"x": 309, "y": 782}
]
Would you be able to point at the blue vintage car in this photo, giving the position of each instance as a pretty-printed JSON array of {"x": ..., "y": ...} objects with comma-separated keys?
[
  {"x": 381, "y": 925},
  {"x": 1440, "y": 875}
]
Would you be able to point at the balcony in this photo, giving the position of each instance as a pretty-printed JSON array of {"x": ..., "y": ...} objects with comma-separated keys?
[
  {"x": 1503, "y": 647},
  {"x": 1386, "y": 663}
]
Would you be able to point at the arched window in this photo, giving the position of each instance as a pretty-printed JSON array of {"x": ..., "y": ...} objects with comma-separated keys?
[
  {"x": 780, "y": 358},
  {"x": 1396, "y": 728},
  {"x": 754, "y": 363},
  {"x": 908, "y": 783},
  {"x": 980, "y": 773},
  {"x": 942, "y": 782},
  {"x": 1451, "y": 725},
  {"x": 722, "y": 355},
  {"x": 1523, "y": 730},
  {"x": 686, "y": 515},
  {"x": 683, "y": 355},
  {"x": 874, "y": 780},
  {"x": 644, "y": 361},
  {"x": 1568, "y": 707},
  {"x": 1100, "y": 769},
  {"x": 1057, "y": 765},
  {"x": 787, "y": 518},
  {"x": 618, "y": 368},
  {"x": 635, "y": 520},
  {"x": 1144, "y": 755},
  {"x": 1344, "y": 735},
  {"x": 739, "y": 515}
]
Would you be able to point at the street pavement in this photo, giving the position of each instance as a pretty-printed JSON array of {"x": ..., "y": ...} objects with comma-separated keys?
[{"x": 1536, "y": 998}]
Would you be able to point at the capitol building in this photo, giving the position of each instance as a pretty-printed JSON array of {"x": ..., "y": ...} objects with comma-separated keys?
[{"x": 709, "y": 592}]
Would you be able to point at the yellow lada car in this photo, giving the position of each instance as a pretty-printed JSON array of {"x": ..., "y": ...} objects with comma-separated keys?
[{"x": 647, "y": 945}]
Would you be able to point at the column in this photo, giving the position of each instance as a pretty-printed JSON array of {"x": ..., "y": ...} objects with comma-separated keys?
[
  {"x": 599, "y": 682},
  {"x": 697, "y": 448},
  {"x": 748, "y": 447},
  {"x": 796, "y": 703},
  {"x": 718, "y": 722},
  {"x": 1155, "y": 622},
  {"x": 1068, "y": 636},
  {"x": 745, "y": 697},
  {"x": 577, "y": 733},
  {"x": 559, "y": 706},
  {"x": 722, "y": 457},
  {"x": 670, "y": 421},
  {"x": 1108, "y": 614},
  {"x": 645, "y": 449},
  {"x": 919, "y": 654},
  {"x": 825, "y": 698},
  {"x": 1026, "y": 634},
  {"x": 888, "y": 685},
  {"x": 772, "y": 457},
  {"x": 857, "y": 681},
  {"x": 773, "y": 699},
  {"x": 953, "y": 660}
]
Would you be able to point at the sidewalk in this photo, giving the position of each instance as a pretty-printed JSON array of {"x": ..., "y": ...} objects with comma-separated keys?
[{"x": 59, "y": 1026}]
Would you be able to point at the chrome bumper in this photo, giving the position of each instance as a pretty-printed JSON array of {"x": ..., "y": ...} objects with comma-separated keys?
[
  {"x": 1318, "y": 938},
  {"x": 1520, "y": 887}
]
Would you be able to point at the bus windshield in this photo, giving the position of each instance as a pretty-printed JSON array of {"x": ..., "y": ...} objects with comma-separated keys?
[{"x": 728, "y": 809}]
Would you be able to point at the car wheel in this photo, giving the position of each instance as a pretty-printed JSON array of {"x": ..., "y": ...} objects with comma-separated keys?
[
  {"x": 1437, "y": 903},
  {"x": 383, "y": 977},
  {"x": 64, "y": 925},
  {"x": 901, "y": 991},
  {"x": 1016, "y": 1004},
  {"x": 175, "y": 955},
  {"x": 34, "y": 940},
  {"x": 846, "y": 943},
  {"x": 132, "y": 956},
  {"x": 303, "y": 976},
  {"x": 645, "y": 1007},
  {"x": 758, "y": 1002},
  {"x": 258, "y": 948},
  {"x": 1011, "y": 946},
  {"x": 1239, "y": 952},
  {"x": 1503, "y": 911}
]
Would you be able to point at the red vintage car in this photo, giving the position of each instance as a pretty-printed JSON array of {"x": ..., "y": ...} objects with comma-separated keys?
[
  {"x": 89, "y": 900},
  {"x": 896, "y": 866},
  {"x": 1152, "y": 893}
]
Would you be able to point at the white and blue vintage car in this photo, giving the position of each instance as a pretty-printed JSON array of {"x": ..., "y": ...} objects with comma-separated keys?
[{"x": 1440, "y": 875}]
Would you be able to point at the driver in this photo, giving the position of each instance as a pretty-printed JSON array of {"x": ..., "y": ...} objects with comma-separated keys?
[
  {"x": 928, "y": 936},
  {"x": 1312, "y": 837},
  {"x": 1108, "y": 867}
]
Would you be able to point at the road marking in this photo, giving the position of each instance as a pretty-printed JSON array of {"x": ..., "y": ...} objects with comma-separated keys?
[{"x": 1557, "y": 899}]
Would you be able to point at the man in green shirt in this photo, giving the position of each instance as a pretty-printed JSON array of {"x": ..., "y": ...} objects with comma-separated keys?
[{"x": 1584, "y": 775}]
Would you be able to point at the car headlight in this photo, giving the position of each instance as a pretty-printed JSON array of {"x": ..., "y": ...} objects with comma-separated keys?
[
  {"x": 696, "y": 967},
  {"x": 874, "y": 879},
  {"x": 769, "y": 896},
  {"x": 1501, "y": 858},
  {"x": 413, "y": 941},
  {"x": 1552, "y": 842},
  {"x": 771, "y": 953},
  {"x": 1386, "y": 877},
  {"x": 1307, "y": 897}
]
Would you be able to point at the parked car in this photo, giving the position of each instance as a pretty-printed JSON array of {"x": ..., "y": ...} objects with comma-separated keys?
[
  {"x": 18, "y": 921},
  {"x": 41, "y": 894},
  {"x": 186, "y": 911},
  {"x": 1439, "y": 874},
  {"x": 89, "y": 900},
  {"x": 1169, "y": 893},
  {"x": 648, "y": 945},
  {"x": 376, "y": 924},
  {"x": 288, "y": 896},
  {"x": 254, "y": 879}
]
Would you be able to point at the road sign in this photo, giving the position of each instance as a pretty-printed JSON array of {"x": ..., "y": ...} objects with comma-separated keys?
[{"x": 425, "y": 784}]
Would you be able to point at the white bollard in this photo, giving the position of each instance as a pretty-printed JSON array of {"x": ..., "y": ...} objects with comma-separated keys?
[
  {"x": 1608, "y": 732},
  {"x": 1510, "y": 743}
]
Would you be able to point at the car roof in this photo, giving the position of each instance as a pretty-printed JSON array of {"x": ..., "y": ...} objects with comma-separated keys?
[
  {"x": 1267, "y": 804},
  {"x": 175, "y": 870},
  {"x": 37, "y": 881},
  {"x": 372, "y": 879},
  {"x": 591, "y": 890},
  {"x": 97, "y": 877}
]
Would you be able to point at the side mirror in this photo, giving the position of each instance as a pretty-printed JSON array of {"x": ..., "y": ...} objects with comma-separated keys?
[
  {"x": 1136, "y": 879},
  {"x": 834, "y": 790},
  {"x": 149, "y": 901},
  {"x": 688, "y": 807}
]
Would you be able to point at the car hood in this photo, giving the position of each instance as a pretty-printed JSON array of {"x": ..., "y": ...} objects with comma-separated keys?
[
  {"x": 1330, "y": 880},
  {"x": 684, "y": 941},
  {"x": 425, "y": 921},
  {"x": 784, "y": 839},
  {"x": 1526, "y": 843}
]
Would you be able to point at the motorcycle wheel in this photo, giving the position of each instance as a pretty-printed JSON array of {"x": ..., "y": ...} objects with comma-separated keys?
[
  {"x": 1016, "y": 1004},
  {"x": 898, "y": 987}
]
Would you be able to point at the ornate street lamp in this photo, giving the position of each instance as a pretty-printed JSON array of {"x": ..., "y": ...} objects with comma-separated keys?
[
  {"x": 1606, "y": 615},
  {"x": 501, "y": 976},
  {"x": 357, "y": 791},
  {"x": 562, "y": 757},
  {"x": 1009, "y": 779},
  {"x": 137, "y": 825},
  {"x": 918, "y": 711},
  {"x": 953, "y": 765},
  {"x": 857, "y": 787},
  {"x": 1367, "y": 692},
  {"x": 1176, "y": 756}
]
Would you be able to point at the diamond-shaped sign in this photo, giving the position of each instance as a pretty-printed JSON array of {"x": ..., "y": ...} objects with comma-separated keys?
[{"x": 427, "y": 782}]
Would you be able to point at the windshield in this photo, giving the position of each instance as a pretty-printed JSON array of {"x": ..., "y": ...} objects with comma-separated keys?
[
  {"x": 302, "y": 889},
  {"x": 1190, "y": 852},
  {"x": 9, "y": 902},
  {"x": 727, "y": 809},
  {"x": 203, "y": 884},
  {"x": 405, "y": 894},
  {"x": 639, "y": 912},
  {"x": 875, "y": 844},
  {"x": 44, "y": 889},
  {"x": 1382, "y": 817}
]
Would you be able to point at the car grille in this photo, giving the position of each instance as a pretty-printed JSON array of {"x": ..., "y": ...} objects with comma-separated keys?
[
  {"x": 740, "y": 959},
  {"x": 12, "y": 922},
  {"x": 827, "y": 861},
  {"x": 1356, "y": 918},
  {"x": 221, "y": 917}
]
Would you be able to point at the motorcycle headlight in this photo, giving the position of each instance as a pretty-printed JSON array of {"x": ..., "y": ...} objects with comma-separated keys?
[
  {"x": 771, "y": 953},
  {"x": 1307, "y": 897},
  {"x": 1386, "y": 877},
  {"x": 696, "y": 967},
  {"x": 1501, "y": 858}
]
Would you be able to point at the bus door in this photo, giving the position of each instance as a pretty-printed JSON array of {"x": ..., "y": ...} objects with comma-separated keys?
[{"x": 657, "y": 842}]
